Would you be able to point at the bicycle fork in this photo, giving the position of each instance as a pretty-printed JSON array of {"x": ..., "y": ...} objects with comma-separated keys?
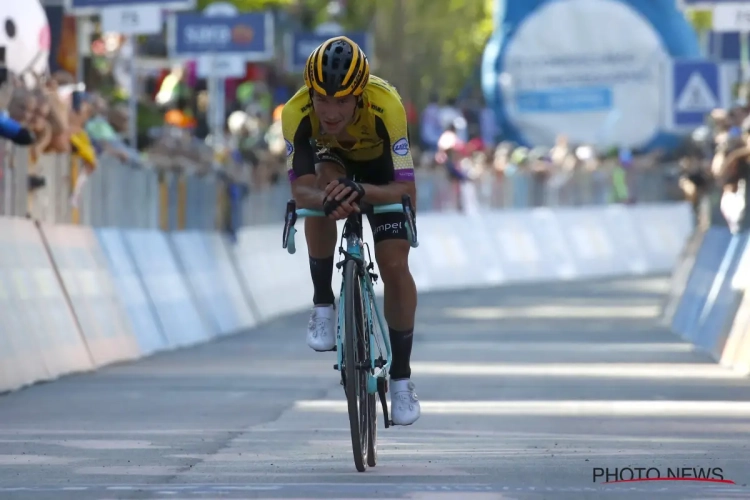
[{"x": 372, "y": 364}]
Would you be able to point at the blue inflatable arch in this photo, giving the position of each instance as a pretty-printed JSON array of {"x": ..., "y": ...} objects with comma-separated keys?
[{"x": 677, "y": 36}]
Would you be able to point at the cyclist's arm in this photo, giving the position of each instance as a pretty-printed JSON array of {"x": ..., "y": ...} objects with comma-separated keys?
[
  {"x": 300, "y": 160},
  {"x": 397, "y": 155}
]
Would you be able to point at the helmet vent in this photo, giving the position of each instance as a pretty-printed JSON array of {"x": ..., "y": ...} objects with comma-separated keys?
[{"x": 333, "y": 64}]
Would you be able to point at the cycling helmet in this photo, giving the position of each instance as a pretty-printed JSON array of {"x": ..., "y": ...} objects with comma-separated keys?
[{"x": 337, "y": 68}]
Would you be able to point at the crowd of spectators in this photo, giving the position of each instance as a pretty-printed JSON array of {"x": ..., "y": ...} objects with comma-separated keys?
[
  {"x": 455, "y": 141},
  {"x": 460, "y": 141},
  {"x": 716, "y": 167},
  {"x": 59, "y": 117},
  {"x": 246, "y": 148}
]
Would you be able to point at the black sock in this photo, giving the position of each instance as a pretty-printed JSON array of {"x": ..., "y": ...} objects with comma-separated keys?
[
  {"x": 401, "y": 343},
  {"x": 321, "y": 271}
]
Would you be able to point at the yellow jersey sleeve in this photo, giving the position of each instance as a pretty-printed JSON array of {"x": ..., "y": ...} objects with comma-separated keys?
[
  {"x": 394, "y": 120},
  {"x": 296, "y": 128}
]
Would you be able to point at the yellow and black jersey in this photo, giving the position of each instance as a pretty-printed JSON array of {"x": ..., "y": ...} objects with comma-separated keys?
[{"x": 379, "y": 127}]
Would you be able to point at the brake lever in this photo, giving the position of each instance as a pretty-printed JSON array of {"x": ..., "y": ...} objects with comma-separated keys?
[
  {"x": 289, "y": 220},
  {"x": 411, "y": 219},
  {"x": 406, "y": 203}
]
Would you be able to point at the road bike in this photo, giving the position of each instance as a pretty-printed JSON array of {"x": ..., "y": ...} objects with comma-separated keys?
[{"x": 364, "y": 372}]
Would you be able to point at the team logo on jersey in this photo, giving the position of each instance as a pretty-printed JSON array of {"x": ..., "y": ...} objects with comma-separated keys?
[
  {"x": 401, "y": 147},
  {"x": 289, "y": 148}
]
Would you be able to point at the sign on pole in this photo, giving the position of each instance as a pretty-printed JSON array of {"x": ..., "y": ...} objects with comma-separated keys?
[
  {"x": 94, "y": 7},
  {"x": 704, "y": 4},
  {"x": 222, "y": 41},
  {"x": 695, "y": 91},
  {"x": 132, "y": 19},
  {"x": 730, "y": 18},
  {"x": 247, "y": 35}
]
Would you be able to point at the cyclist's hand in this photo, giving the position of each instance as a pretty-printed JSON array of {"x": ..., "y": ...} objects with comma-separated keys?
[
  {"x": 343, "y": 189},
  {"x": 341, "y": 198},
  {"x": 340, "y": 209},
  {"x": 343, "y": 210}
]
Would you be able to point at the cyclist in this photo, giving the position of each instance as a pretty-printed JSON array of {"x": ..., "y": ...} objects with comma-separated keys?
[{"x": 346, "y": 124}]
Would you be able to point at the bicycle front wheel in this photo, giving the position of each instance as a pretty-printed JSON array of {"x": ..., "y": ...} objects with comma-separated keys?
[{"x": 356, "y": 352}]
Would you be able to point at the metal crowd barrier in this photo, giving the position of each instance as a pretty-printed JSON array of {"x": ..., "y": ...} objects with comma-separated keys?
[
  {"x": 115, "y": 194},
  {"x": 437, "y": 192},
  {"x": 13, "y": 180}
]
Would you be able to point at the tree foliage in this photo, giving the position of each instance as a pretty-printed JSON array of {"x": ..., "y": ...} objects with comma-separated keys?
[
  {"x": 248, "y": 5},
  {"x": 422, "y": 46}
]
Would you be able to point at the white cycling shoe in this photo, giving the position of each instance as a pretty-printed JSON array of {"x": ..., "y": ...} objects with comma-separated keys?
[
  {"x": 405, "y": 409},
  {"x": 321, "y": 337},
  {"x": 321, "y": 330}
]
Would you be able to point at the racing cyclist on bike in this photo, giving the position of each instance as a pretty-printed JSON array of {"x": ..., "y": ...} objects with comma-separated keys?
[{"x": 346, "y": 124}]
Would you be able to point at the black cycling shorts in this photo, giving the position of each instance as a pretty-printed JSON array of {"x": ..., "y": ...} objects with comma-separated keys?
[{"x": 384, "y": 226}]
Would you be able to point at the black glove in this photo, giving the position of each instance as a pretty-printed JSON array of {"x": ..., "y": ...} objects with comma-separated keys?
[
  {"x": 36, "y": 182},
  {"x": 24, "y": 137},
  {"x": 329, "y": 205}
]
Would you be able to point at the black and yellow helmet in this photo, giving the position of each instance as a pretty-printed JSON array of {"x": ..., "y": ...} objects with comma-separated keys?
[{"x": 337, "y": 68}]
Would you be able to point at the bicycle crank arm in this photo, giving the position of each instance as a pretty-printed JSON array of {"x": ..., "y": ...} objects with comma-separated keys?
[{"x": 382, "y": 389}]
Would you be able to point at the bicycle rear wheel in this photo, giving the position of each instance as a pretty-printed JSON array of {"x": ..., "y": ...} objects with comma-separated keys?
[{"x": 356, "y": 351}]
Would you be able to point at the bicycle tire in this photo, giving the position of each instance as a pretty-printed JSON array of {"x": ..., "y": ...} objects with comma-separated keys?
[
  {"x": 354, "y": 352},
  {"x": 372, "y": 429},
  {"x": 372, "y": 399}
]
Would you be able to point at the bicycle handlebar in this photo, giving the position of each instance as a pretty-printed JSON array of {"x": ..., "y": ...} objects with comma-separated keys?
[{"x": 293, "y": 213}]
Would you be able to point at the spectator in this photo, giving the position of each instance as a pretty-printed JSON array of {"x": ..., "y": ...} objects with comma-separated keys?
[
  {"x": 173, "y": 88},
  {"x": 733, "y": 178},
  {"x": 431, "y": 127},
  {"x": 451, "y": 116},
  {"x": 488, "y": 129},
  {"x": 178, "y": 115},
  {"x": 104, "y": 136},
  {"x": 82, "y": 146},
  {"x": 694, "y": 180}
]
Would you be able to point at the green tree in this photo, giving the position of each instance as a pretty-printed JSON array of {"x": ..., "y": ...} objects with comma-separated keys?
[
  {"x": 421, "y": 46},
  {"x": 248, "y": 5}
]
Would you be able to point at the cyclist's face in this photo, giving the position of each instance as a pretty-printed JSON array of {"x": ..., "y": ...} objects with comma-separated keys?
[{"x": 334, "y": 113}]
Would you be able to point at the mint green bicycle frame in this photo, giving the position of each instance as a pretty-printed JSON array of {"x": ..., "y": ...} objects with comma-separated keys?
[{"x": 354, "y": 246}]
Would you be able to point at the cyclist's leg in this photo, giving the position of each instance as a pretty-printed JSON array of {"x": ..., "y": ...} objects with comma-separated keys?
[
  {"x": 400, "y": 302},
  {"x": 321, "y": 235},
  {"x": 400, "y": 305}
]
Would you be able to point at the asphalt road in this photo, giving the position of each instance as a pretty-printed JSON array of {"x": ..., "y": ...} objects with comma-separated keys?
[{"x": 526, "y": 391}]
